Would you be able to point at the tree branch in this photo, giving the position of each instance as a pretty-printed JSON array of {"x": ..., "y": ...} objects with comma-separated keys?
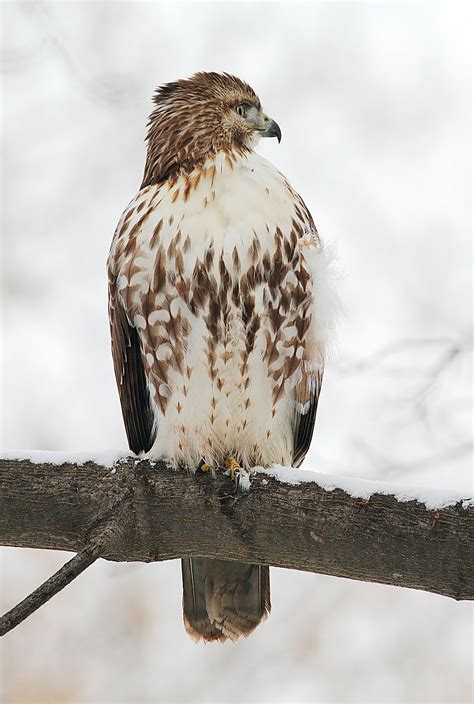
[
  {"x": 105, "y": 532},
  {"x": 145, "y": 512},
  {"x": 48, "y": 589}
]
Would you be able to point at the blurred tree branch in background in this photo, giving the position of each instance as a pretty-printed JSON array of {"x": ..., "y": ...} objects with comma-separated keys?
[
  {"x": 147, "y": 512},
  {"x": 52, "y": 41},
  {"x": 424, "y": 387},
  {"x": 437, "y": 355}
]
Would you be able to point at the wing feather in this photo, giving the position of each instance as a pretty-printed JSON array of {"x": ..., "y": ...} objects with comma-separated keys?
[
  {"x": 130, "y": 375},
  {"x": 304, "y": 426},
  {"x": 304, "y": 423}
]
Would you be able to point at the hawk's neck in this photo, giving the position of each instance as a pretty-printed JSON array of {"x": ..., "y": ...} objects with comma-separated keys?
[{"x": 160, "y": 166}]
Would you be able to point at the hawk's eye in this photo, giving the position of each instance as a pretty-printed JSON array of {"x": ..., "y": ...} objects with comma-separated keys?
[{"x": 242, "y": 109}]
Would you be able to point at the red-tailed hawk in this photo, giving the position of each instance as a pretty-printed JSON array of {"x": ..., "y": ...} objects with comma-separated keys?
[{"x": 219, "y": 315}]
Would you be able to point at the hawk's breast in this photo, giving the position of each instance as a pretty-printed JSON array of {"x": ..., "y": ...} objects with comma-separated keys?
[{"x": 214, "y": 271}]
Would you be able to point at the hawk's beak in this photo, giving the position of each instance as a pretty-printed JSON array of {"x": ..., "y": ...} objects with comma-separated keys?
[{"x": 271, "y": 128}]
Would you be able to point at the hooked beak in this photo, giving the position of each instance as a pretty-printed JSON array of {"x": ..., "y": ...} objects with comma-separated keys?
[{"x": 271, "y": 128}]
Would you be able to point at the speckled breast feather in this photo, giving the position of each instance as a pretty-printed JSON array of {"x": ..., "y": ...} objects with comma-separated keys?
[{"x": 222, "y": 274}]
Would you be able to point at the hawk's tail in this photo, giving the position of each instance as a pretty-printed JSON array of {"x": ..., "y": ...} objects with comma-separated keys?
[{"x": 223, "y": 599}]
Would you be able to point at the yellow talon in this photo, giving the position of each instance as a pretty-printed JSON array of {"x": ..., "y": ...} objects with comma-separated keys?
[
  {"x": 205, "y": 467},
  {"x": 232, "y": 465}
]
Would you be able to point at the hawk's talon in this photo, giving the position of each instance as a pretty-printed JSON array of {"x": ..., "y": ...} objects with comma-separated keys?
[
  {"x": 234, "y": 471},
  {"x": 233, "y": 466},
  {"x": 204, "y": 467}
]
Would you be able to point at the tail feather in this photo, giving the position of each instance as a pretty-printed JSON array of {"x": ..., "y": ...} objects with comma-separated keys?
[{"x": 223, "y": 599}]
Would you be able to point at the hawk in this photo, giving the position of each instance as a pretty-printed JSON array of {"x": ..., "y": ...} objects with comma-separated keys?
[{"x": 219, "y": 304}]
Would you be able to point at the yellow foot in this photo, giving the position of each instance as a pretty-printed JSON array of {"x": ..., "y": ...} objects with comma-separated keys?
[
  {"x": 204, "y": 467},
  {"x": 238, "y": 474},
  {"x": 233, "y": 466}
]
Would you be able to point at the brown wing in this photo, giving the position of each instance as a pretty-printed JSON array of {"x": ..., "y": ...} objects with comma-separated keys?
[
  {"x": 131, "y": 381},
  {"x": 305, "y": 424}
]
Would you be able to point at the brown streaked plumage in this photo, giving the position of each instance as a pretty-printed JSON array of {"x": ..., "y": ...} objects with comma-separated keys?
[
  {"x": 178, "y": 143},
  {"x": 220, "y": 309}
]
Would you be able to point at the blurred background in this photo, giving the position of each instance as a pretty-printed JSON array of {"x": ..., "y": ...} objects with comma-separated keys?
[{"x": 374, "y": 102}]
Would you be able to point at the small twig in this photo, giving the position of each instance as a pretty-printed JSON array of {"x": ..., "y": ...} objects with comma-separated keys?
[
  {"x": 105, "y": 532},
  {"x": 48, "y": 589}
]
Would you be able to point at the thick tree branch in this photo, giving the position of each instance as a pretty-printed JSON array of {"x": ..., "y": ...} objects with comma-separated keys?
[{"x": 144, "y": 512}]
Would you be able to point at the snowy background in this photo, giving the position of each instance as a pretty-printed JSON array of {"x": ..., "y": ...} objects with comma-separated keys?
[{"x": 374, "y": 102}]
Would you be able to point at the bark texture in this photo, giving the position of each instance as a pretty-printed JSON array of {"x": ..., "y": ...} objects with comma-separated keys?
[{"x": 161, "y": 514}]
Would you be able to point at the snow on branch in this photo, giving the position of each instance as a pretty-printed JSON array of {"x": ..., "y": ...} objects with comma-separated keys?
[{"x": 125, "y": 509}]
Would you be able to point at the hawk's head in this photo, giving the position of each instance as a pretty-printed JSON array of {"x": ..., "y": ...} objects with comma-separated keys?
[{"x": 199, "y": 116}]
